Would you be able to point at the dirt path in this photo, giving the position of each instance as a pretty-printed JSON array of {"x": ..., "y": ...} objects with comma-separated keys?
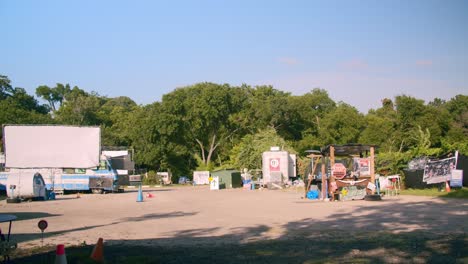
[{"x": 191, "y": 215}]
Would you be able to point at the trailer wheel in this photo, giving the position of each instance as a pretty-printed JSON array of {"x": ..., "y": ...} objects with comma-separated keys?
[
  {"x": 97, "y": 191},
  {"x": 373, "y": 197},
  {"x": 13, "y": 200}
]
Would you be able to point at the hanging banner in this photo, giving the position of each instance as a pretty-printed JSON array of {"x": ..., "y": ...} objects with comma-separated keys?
[{"x": 439, "y": 171}]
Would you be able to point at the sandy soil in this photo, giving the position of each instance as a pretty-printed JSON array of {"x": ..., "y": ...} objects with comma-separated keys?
[{"x": 191, "y": 215}]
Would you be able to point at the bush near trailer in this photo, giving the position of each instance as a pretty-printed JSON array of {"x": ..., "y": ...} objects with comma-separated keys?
[{"x": 152, "y": 178}]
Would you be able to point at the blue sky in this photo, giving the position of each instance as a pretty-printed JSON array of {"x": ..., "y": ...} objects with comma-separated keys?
[{"x": 359, "y": 51}]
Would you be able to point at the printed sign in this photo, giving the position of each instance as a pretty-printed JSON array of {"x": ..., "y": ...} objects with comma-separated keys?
[
  {"x": 361, "y": 166},
  {"x": 42, "y": 225},
  {"x": 339, "y": 171},
  {"x": 371, "y": 186},
  {"x": 439, "y": 171},
  {"x": 275, "y": 164},
  {"x": 457, "y": 178},
  {"x": 214, "y": 184}
]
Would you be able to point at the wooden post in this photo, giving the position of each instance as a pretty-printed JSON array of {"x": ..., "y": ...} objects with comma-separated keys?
[
  {"x": 332, "y": 162},
  {"x": 324, "y": 180},
  {"x": 372, "y": 166},
  {"x": 315, "y": 160}
]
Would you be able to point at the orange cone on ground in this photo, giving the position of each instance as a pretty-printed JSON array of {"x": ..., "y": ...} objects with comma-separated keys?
[
  {"x": 447, "y": 186},
  {"x": 60, "y": 257},
  {"x": 98, "y": 251},
  {"x": 149, "y": 195}
]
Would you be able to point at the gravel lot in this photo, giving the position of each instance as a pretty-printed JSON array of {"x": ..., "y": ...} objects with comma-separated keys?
[{"x": 196, "y": 215}]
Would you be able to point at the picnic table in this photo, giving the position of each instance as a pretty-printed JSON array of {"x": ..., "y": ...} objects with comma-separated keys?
[{"x": 6, "y": 246}]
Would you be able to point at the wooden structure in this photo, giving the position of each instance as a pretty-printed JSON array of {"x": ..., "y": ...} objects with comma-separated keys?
[
  {"x": 349, "y": 180},
  {"x": 316, "y": 158},
  {"x": 366, "y": 153}
]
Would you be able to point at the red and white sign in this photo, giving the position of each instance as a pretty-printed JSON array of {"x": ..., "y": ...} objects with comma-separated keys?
[
  {"x": 42, "y": 225},
  {"x": 339, "y": 170},
  {"x": 275, "y": 164}
]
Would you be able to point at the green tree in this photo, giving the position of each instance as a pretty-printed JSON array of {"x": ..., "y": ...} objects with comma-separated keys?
[
  {"x": 54, "y": 96},
  {"x": 311, "y": 109},
  {"x": 380, "y": 127},
  {"x": 18, "y": 107},
  {"x": 80, "y": 108},
  {"x": 248, "y": 153},
  {"x": 5, "y": 87},
  {"x": 158, "y": 143},
  {"x": 205, "y": 111},
  {"x": 341, "y": 126},
  {"x": 456, "y": 137},
  {"x": 265, "y": 107},
  {"x": 116, "y": 116}
]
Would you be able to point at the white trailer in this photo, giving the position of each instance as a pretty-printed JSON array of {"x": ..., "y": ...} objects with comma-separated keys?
[
  {"x": 278, "y": 166},
  {"x": 67, "y": 157},
  {"x": 201, "y": 177},
  {"x": 25, "y": 186}
]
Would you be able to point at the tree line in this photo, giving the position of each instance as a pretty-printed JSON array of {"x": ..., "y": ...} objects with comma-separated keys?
[{"x": 208, "y": 125}]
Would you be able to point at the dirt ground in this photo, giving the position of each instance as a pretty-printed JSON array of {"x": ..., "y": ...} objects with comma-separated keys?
[{"x": 191, "y": 216}]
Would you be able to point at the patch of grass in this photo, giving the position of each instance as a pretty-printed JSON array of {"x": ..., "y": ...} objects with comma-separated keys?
[
  {"x": 455, "y": 193},
  {"x": 458, "y": 193}
]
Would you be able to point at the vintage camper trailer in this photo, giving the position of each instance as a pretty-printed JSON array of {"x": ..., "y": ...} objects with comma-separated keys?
[
  {"x": 67, "y": 157},
  {"x": 26, "y": 186},
  {"x": 201, "y": 177}
]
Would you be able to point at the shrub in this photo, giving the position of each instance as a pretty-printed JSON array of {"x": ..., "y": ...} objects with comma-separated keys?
[{"x": 151, "y": 178}]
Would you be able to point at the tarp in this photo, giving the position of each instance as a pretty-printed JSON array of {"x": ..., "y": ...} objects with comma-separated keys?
[{"x": 51, "y": 146}]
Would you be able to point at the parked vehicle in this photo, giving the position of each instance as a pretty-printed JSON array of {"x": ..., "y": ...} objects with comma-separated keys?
[
  {"x": 25, "y": 186},
  {"x": 67, "y": 157},
  {"x": 184, "y": 180}
]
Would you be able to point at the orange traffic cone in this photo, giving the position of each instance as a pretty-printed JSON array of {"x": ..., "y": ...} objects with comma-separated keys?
[
  {"x": 447, "y": 186},
  {"x": 60, "y": 257},
  {"x": 149, "y": 195},
  {"x": 98, "y": 251}
]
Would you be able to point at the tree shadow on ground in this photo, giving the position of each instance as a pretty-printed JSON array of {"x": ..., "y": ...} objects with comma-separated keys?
[
  {"x": 24, "y": 237},
  {"x": 29, "y": 215},
  {"x": 415, "y": 232}
]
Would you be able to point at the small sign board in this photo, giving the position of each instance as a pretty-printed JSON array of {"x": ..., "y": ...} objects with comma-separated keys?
[
  {"x": 338, "y": 170},
  {"x": 214, "y": 184},
  {"x": 456, "y": 179},
  {"x": 275, "y": 164},
  {"x": 42, "y": 225},
  {"x": 134, "y": 180},
  {"x": 371, "y": 186}
]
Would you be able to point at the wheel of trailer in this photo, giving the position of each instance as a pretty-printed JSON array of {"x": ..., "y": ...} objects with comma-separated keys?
[{"x": 97, "y": 191}]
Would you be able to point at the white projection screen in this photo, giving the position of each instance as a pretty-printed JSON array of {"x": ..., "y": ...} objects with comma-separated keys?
[{"x": 51, "y": 146}]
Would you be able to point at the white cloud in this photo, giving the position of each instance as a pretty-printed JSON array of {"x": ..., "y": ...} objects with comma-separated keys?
[
  {"x": 424, "y": 62},
  {"x": 354, "y": 64},
  {"x": 288, "y": 61}
]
